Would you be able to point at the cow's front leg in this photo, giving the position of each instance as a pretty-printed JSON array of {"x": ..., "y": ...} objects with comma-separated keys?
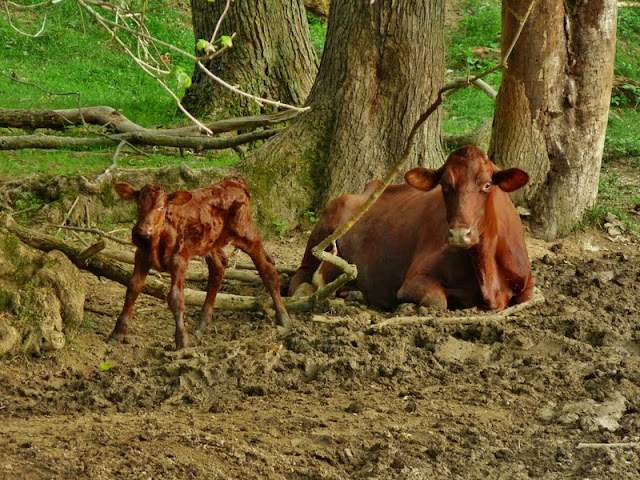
[
  {"x": 494, "y": 295},
  {"x": 423, "y": 290},
  {"x": 216, "y": 262},
  {"x": 176, "y": 300},
  {"x": 140, "y": 271}
]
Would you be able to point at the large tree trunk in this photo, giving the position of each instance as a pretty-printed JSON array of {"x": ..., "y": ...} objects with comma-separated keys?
[
  {"x": 272, "y": 56},
  {"x": 551, "y": 111},
  {"x": 382, "y": 66}
]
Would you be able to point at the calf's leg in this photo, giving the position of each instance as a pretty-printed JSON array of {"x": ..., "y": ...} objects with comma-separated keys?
[
  {"x": 216, "y": 262},
  {"x": 176, "y": 300},
  {"x": 140, "y": 271},
  {"x": 253, "y": 247}
]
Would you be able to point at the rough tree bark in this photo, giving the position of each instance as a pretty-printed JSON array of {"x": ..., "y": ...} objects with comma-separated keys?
[
  {"x": 382, "y": 66},
  {"x": 318, "y": 7},
  {"x": 551, "y": 111},
  {"x": 272, "y": 56}
]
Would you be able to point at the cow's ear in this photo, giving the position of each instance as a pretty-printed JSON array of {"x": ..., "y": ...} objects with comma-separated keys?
[
  {"x": 126, "y": 191},
  {"x": 423, "y": 178},
  {"x": 511, "y": 179},
  {"x": 180, "y": 197}
]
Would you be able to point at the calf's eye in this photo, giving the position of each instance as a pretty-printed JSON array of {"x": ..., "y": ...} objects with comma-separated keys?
[
  {"x": 487, "y": 187},
  {"x": 161, "y": 209}
]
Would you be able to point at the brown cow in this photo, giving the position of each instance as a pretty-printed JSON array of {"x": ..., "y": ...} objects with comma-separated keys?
[
  {"x": 172, "y": 228},
  {"x": 447, "y": 238}
]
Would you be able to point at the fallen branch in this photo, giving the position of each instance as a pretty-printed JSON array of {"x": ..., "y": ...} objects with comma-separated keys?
[
  {"x": 200, "y": 275},
  {"x": 136, "y": 138},
  {"x": 609, "y": 445},
  {"x": 103, "y": 266},
  {"x": 464, "y": 319},
  {"x": 90, "y": 252},
  {"x": 128, "y": 257},
  {"x": 95, "y": 231},
  {"x": 109, "y": 117}
]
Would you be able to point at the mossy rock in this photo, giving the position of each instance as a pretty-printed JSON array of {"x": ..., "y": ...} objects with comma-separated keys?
[{"x": 41, "y": 298}]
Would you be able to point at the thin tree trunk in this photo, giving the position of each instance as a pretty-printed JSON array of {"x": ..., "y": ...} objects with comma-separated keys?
[
  {"x": 272, "y": 56},
  {"x": 551, "y": 111},
  {"x": 382, "y": 65}
]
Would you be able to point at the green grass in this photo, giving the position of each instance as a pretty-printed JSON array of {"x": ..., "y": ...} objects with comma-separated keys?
[
  {"x": 623, "y": 134},
  {"x": 318, "y": 32},
  {"x": 65, "y": 59},
  {"x": 479, "y": 26},
  {"x": 628, "y": 43},
  {"x": 51, "y": 162}
]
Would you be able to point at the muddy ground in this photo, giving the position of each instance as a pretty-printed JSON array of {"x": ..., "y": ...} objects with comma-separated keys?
[{"x": 516, "y": 397}]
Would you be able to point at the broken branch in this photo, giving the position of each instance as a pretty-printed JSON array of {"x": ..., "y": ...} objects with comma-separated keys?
[
  {"x": 135, "y": 138},
  {"x": 463, "y": 319},
  {"x": 103, "y": 266}
]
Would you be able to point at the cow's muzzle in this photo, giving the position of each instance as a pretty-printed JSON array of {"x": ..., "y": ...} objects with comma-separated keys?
[
  {"x": 144, "y": 231},
  {"x": 462, "y": 237}
]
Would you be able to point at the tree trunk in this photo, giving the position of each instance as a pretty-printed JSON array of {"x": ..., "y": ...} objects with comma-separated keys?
[
  {"x": 382, "y": 66},
  {"x": 551, "y": 111},
  {"x": 271, "y": 57},
  {"x": 318, "y": 7}
]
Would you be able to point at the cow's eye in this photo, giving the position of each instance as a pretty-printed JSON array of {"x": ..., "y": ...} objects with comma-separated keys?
[
  {"x": 161, "y": 209},
  {"x": 487, "y": 187}
]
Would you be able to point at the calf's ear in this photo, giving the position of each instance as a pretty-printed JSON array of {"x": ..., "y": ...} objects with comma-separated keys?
[
  {"x": 511, "y": 179},
  {"x": 180, "y": 197},
  {"x": 126, "y": 191},
  {"x": 423, "y": 178}
]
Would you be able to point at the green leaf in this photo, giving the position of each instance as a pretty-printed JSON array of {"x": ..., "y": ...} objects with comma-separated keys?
[
  {"x": 106, "y": 366},
  {"x": 183, "y": 78},
  {"x": 225, "y": 40},
  {"x": 202, "y": 44}
]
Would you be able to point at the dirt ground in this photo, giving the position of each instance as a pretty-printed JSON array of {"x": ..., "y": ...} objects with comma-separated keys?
[{"x": 343, "y": 397}]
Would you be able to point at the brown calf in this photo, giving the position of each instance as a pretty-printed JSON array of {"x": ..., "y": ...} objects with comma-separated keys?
[
  {"x": 172, "y": 228},
  {"x": 449, "y": 238}
]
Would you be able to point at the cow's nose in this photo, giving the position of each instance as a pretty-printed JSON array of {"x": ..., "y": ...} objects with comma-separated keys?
[{"x": 460, "y": 237}]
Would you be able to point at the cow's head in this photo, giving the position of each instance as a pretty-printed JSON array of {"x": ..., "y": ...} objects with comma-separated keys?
[
  {"x": 468, "y": 180},
  {"x": 152, "y": 202}
]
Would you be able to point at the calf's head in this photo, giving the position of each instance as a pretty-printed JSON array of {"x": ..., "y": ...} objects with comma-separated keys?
[
  {"x": 469, "y": 180},
  {"x": 153, "y": 202}
]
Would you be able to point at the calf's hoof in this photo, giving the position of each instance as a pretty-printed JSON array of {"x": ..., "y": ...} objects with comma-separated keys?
[
  {"x": 116, "y": 338},
  {"x": 182, "y": 341},
  {"x": 283, "y": 324}
]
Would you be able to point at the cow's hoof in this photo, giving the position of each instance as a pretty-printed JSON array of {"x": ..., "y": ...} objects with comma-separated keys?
[{"x": 197, "y": 334}]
